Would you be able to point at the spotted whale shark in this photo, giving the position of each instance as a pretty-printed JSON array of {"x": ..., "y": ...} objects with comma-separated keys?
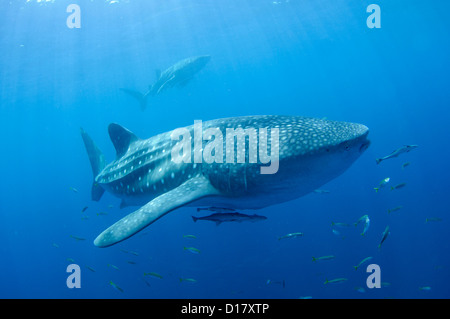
[
  {"x": 311, "y": 152},
  {"x": 178, "y": 74}
]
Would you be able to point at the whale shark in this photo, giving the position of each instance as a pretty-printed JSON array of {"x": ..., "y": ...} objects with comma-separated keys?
[
  {"x": 178, "y": 74},
  {"x": 311, "y": 152}
]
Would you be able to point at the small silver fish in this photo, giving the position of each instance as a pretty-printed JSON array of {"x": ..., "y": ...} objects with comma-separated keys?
[
  {"x": 384, "y": 236},
  {"x": 398, "y": 186},
  {"x": 291, "y": 235}
]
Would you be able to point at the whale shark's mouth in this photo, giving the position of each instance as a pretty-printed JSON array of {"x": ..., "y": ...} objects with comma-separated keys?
[{"x": 365, "y": 145}]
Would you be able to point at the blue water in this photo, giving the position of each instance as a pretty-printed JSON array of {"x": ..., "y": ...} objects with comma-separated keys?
[{"x": 312, "y": 58}]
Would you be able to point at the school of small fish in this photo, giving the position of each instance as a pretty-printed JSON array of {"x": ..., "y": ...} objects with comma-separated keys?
[{"x": 226, "y": 214}]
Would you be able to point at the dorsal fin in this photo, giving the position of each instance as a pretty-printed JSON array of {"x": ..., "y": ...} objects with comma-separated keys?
[{"x": 121, "y": 138}]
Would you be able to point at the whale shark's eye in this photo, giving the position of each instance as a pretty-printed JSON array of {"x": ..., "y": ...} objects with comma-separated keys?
[{"x": 345, "y": 146}]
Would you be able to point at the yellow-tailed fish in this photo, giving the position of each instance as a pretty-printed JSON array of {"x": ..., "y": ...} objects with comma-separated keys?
[
  {"x": 188, "y": 280},
  {"x": 398, "y": 186},
  {"x": 384, "y": 236},
  {"x": 192, "y": 250},
  {"x": 323, "y": 258},
  {"x": 90, "y": 268},
  {"x": 365, "y": 219},
  {"x": 113, "y": 266},
  {"x": 73, "y": 189},
  {"x": 395, "y": 209},
  {"x": 382, "y": 184},
  {"x": 335, "y": 281},
  {"x": 405, "y": 165},
  {"x": 153, "y": 274},
  {"x": 340, "y": 224},
  {"x": 115, "y": 286},
  {"x": 362, "y": 262},
  {"x": 77, "y": 238}
]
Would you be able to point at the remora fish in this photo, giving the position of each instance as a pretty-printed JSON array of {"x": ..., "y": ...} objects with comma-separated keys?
[
  {"x": 178, "y": 74},
  {"x": 397, "y": 152},
  {"x": 219, "y": 218},
  {"x": 311, "y": 152}
]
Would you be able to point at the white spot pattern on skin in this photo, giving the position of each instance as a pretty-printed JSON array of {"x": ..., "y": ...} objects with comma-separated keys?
[{"x": 148, "y": 162}]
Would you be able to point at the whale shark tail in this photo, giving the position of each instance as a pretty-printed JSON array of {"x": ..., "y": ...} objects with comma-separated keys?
[
  {"x": 142, "y": 98},
  {"x": 98, "y": 163}
]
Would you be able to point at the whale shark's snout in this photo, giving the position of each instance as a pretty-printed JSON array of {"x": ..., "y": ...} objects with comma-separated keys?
[
  {"x": 202, "y": 60},
  {"x": 361, "y": 140},
  {"x": 354, "y": 137},
  {"x": 365, "y": 143}
]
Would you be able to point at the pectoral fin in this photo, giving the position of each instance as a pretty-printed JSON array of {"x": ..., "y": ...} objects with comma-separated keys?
[
  {"x": 165, "y": 84},
  {"x": 187, "y": 192}
]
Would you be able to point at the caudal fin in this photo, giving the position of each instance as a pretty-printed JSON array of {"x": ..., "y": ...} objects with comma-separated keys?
[
  {"x": 194, "y": 218},
  {"x": 378, "y": 160},
  {"x": 98, "y": 163},
  {"x": 142, "y": 98}
]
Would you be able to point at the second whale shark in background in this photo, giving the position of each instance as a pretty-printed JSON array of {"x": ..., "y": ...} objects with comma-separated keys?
[
  {"x": 312, "y": 152},
  {"x": 178, "y": 74}
]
